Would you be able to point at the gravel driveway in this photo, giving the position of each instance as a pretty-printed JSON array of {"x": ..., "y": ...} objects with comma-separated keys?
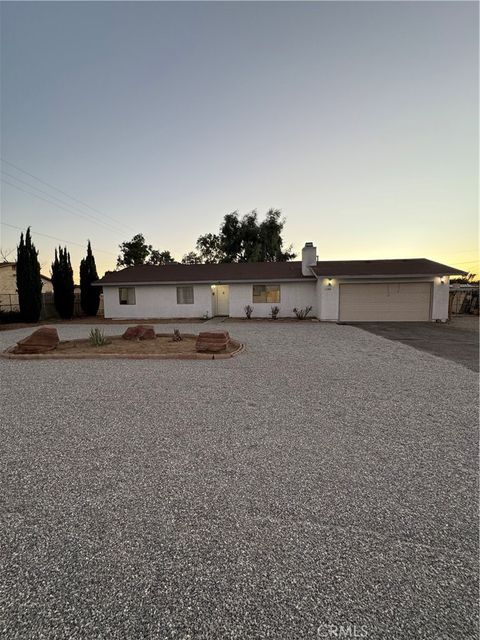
[{"x": 325, "y": 477}]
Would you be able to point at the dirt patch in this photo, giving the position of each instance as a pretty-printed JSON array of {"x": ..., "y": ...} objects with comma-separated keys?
[
  {"x": 162, "y": 347},
  {"x": 269, "y": 320},
  {"x": 99, "y": 320}
]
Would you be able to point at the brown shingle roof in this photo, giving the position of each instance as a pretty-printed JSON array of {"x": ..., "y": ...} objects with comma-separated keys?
[
  {"x": 273, "y": 271},
  {"x": 405, "y": 267},
  {"x": 225, "y": 272}
]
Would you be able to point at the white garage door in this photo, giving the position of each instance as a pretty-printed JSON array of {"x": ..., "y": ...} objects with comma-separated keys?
[{"x": 385, "y": 302}]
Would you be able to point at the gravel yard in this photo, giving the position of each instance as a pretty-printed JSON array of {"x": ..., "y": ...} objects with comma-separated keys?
[{"x": 326, "y": 476}]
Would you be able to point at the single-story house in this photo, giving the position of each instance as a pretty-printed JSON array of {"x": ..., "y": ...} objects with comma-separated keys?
[
  {"x": 8, "y": 286},
  {"x": 338, "y": 290}
]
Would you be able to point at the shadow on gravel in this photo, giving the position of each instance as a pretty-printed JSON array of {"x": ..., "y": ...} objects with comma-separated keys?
[{"x": 450, "y": 341}]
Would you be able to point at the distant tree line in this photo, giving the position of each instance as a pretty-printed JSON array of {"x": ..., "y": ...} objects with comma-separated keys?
[{"x": 239, "y": 239}]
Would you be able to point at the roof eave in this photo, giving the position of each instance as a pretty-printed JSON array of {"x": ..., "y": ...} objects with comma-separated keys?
[
  {"x": 390, "y": 275},
  {"x": 99, "y": 283}
]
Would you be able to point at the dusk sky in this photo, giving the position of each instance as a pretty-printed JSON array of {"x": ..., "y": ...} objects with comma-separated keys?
[{"x": 358, "y": 120}]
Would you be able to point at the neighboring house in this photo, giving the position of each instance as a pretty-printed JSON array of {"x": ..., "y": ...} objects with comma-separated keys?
[
  {"x": 8, "y": 286},
  {"x": 338, "y": 291}
]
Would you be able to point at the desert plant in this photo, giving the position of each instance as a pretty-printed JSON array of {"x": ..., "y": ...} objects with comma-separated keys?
[
  {"x": 248, "y": 311},
  {"x": 302, "y": 313},
  {"x": 97, "y": 338},
  {"x": 274, "y": 311},
  {"x": 29, "y": 283}
]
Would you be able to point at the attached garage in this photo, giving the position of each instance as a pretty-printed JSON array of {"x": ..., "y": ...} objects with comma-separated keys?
[{"x": 386, "y": 301}]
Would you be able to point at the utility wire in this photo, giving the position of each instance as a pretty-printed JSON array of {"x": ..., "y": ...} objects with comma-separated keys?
[
  {"x": 12, "y": 226},
  {"x": 56, "y": 205},
  {"x": 64, "y": 193},
  {"x": 67, "y": 204}
]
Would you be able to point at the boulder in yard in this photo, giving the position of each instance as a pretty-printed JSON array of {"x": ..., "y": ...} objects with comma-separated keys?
[
  {"x": 140, "y": 332},
  {"x": 40, "y": 341},
  {"x": 212, "y": 341}
]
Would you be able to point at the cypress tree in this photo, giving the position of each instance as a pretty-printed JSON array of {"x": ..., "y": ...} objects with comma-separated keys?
[
  {"x": 89, "y": 296},
  {"x": 62, "y": 280},
  {"x": 29, "y": 282}
]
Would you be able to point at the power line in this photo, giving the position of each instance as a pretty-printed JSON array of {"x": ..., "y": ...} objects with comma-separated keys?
[
  {"x": 101, "y": 224},
  {"x": 456, "y": 253},
  {"x": 64, "y": 193},
  {"x": 72, "y": 207},
  {"x": 38, "y": 233}
]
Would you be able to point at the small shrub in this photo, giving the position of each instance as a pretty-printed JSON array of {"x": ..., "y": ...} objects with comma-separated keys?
[
  {"x": 10, "y": 316},
  {"x": 274, "y": 311},
  {"x": 302, "y": 313},
  {"x": 248, "y": 311},
  {"x": 97, "y": 338}
]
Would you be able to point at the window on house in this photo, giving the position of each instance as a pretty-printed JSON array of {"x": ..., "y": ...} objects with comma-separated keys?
[
  {"x": 184, "y": 295},
  {"x": 126, "y": 295},
  {"x": 266, "y": 293}
]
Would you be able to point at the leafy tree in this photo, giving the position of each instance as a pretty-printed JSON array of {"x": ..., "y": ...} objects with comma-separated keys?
[
  {"x": 231, "y": 237},
  {"x": 160, "y": 257},
  {"x": 271, "y": 241},
  {"x": 246, "y": 240},
  {"x": 89, "y": 296},
  {"x": 192, "y": 258},
  {"x": 134, "y": 252},
  {"x": 29, "y": 282},
  {"x": 470, "y": 278},
  {"x": 63, "y": 287},
  {"x": 209, "y": 249}
]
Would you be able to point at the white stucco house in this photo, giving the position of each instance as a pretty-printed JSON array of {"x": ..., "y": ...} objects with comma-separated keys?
[{"x": 337, "y": 291}]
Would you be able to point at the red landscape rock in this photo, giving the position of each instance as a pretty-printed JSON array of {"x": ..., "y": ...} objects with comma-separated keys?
[
  {"x": 212, "y": 342},
  {"x": 40, "y": 341},
  {"x": 140, "y": 332}
]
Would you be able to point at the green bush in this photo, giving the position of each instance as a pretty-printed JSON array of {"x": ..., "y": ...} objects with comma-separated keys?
[{"x": 97, "y": 338}]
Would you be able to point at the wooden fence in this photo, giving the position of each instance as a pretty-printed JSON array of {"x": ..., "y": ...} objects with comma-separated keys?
[{"x": 463, "y": 300}]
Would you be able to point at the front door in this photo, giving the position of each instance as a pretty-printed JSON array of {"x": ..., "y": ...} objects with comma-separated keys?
[{"x": 222, "y": 302}]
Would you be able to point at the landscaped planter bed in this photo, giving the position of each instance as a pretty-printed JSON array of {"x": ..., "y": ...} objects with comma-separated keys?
[{"x": 162, "y": 348}]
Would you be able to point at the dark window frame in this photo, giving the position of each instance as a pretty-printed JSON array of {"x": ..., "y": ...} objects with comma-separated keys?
[
  {"x": 266, "y": 294},
  {"x": 183, "y": 300},
  {"x": 125, "y": 300}
]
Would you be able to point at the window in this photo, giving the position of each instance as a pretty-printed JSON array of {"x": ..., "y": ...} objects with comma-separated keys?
[
  {"x": 126, "y": 295},
  {"x": 266, "y": 293},
  {"x": 184, "y": 295}
]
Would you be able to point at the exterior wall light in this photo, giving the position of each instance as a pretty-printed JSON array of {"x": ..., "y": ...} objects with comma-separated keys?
[
  {"x": 442, "y": 280},
  {"x": 330, "y": 281}
]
